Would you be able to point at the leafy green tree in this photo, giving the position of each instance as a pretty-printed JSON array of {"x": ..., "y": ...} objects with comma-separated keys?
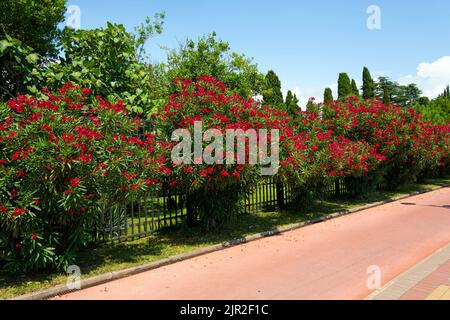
[
  {"x": 412, "y": 93},
  {"x": 436, "y": 110},
  {"x": 384, "y": 89},
  {"x": 368, "y": 85},
  {"x": 390, "y": 91},
  {"x": 355, "y": 90},
  {"x": 344, "y": 86},
  {"x": 328, "y": 95},
  {"x": 386, "y": 95},
  {"x": 211, "y": 56},
  {"x": 111, "y": 61},
  {"x": 28, "y": 29},
  {"x": 399, "y": 94},
  {"x": 272, "y": 95},
  {"x": 423, "y": 101},
  {"x": 291, "y": 102},
  {"x": 33, "y": 22},
  {"x": 16, "y": 64}
]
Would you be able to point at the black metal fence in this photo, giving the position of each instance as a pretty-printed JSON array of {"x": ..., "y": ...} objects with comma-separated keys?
[{"x": 156, "y": 211}]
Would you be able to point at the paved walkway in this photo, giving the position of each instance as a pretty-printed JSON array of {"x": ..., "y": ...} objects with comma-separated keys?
[
  {"x": 428, "y": 280},
  {"x": 343, "y": 258}
]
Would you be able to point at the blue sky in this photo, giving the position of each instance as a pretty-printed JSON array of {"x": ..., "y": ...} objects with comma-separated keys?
[{"x": 307, "y": 43}]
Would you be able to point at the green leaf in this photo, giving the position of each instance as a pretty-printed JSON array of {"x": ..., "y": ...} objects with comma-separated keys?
[
  {"x": 4, "y": 44},
  {"x": 32, "y": 58}
]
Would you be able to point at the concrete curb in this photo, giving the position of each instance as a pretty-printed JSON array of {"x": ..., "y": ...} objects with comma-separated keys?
[{"x": 115, "y": 275}]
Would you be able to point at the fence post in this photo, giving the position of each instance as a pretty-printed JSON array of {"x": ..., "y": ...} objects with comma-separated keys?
[
  {"x": 280, "y": 194},
  {"x": 337, "y": 188},
  {"x": 190, "y": 212}
]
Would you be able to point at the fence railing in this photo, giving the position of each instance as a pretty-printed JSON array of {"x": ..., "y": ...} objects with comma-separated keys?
[{"x": 156, "y": 211}]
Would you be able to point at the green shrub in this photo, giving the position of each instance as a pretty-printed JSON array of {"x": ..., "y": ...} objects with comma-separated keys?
[{"x": 63, "y": 158}]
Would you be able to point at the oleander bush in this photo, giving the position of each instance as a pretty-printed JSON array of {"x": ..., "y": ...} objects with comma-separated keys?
[
  {"x": 315, "y": 156},
  {"x": 408, "y": 144},
  {"x": 62, "y": 159},
  {"x": 215, "y": 190}
]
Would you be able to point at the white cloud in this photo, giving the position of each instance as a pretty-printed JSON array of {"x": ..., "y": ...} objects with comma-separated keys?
[{"x": 432, "y": 77}]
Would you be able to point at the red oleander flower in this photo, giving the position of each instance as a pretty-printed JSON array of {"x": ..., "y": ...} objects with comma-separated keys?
[
  {"x": 165, "y": 170},
  {"x": 332, "y": 173},
  {"x": 33, "y": 236},
  {"x": 18, "y": 212},
  {"x": 86, "y": 91},
  {"x": 20, "y": 173},
  {"x": 3, "y": 209},
  {"x": 75, "y": 182},
  {"x": 151, "y": 181},
  {"x": 172, "y": 183}
]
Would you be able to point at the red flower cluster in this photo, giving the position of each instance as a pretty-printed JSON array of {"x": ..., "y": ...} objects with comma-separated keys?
[
  {"x": 70, "y": 149},
  {"x": 208, "y": 101},
  {"x": 75, "y": 182}
]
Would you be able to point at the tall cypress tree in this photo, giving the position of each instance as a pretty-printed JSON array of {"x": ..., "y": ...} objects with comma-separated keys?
[
  {"x": 368, "y": 85},
  {"x": 355, "y": 90},
  {"x": 294, "y": 105},
  {"x": 291, "y": 103},
  {"x": 344, "y": 86},
  {"x": 289, "y": 97},
  {"x": 272, "y": 95},
  {"x": 327, "y": 95}
]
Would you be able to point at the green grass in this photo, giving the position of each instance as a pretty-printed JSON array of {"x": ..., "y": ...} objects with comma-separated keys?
[{"x": 163, "y": 244}]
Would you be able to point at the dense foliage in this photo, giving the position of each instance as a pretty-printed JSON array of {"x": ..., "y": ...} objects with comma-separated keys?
[
  {"x": 111, "y": 62},
  {"x": 215, "y": 190},
  {"x": 408, "y": 144},
  {"x": 212, "y": 56},
  {"x": 26, "y": 27},
  {"x": 63, "y": 158},
  {"x": 436, "y": 110}
]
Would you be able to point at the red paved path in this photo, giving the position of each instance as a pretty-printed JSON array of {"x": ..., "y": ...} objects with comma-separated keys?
[{"x": 328, "y": 260}]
